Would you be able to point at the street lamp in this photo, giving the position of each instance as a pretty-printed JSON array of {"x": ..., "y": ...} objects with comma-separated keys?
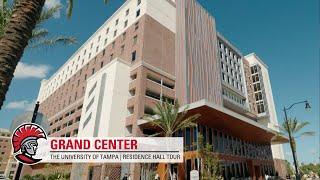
[
  {"x": 285, "y": 109},
  {"x": 33, "y": 120}
]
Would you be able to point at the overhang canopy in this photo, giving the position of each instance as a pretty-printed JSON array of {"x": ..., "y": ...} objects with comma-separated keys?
[{"x": 229, "y": 121}]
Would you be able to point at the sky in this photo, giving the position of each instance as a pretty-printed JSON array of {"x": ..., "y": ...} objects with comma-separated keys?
[{"x": 284, "y": 34}]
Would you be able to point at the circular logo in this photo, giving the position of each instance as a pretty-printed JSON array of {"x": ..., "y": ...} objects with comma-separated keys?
[{"x": 25, "y": 142}]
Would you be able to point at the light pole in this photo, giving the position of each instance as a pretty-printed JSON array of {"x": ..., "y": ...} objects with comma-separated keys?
[
  {"x": 292, "y": 143},
  {"x": 33, "y": 120}
]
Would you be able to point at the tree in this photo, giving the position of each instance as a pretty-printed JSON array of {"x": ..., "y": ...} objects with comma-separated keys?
[
  {"x": 289, "y": 168},
  {"x": 291, "y": 128},
  {"x": 209, "y": 161},
  {"x": 310, "y": 168},
  {"x": 169, "y": 120},
  {"x": 16, "y": 35},
  {"x": 40, "y": 35}
]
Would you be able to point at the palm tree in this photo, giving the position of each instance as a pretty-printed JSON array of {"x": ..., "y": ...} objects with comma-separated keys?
[
  {"x": 169, "y": 120},
  {"x": 40, "y": 36},
  {"x": 291, "y": 128},
  {"x": 16, "y": 35}
]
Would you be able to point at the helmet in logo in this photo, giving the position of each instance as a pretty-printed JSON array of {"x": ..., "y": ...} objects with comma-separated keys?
[{"x": 24, "y": 142}]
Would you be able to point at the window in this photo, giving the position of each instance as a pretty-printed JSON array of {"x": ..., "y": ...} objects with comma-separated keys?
[
  {"x": 103, "y": 52},
  {"x": 124, "y": 36},
  {"x": 138, "y": 13},
  {"x": 97, "y": 48},
  {"x": 255, "y": 78},
  {"x": 258, "y": 96},
  {"x": 115, "y": 33},
  {"x": 153, "y": 94},
  {"x": 105, "y": 41},
  {"x": 254, "y": 69},
  {"x": 127, "y": 12},
  {"x": 122, "y": 49},
  {"x": 257, "y": 87},
  {"x": 111, "y": 57},
  {"x": 133, "y": 55},
  {"x": 101, "y": 64},
  {"x": 107, "y": 31},
  {"x": 260, "y": 107},
  {"x": 117, "y": 21},
  {"x": 126, "y": 23},
  {"x": 113, "y": 44},
  {"x": 139, "y": 2},
  {"x": 91, "y": 45},
  {"x": 93, "y": 71},
  {"x": 135, "y": 39},
  {"x": 136, "y": 26}
]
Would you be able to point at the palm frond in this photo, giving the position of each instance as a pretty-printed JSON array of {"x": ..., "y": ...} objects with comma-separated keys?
[
  {"x": 169, "y": 120},
  {"x": 69, "y": 8},
  {"x": 308, "y": 133},
  {"x": 299, "y": 126},
  {"x": 39, "y": 33},
  {"x": 61, "y": 40},
  {"x": 48, "y": 13},
  {"x": 293, "y": 127}
]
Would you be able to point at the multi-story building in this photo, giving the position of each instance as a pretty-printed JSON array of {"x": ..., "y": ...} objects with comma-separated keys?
[
  {"x": 153, "y": 49},
  {"x": 5, "y": 152},
  {"x": 263, "y": 98},
  {"x": 11, "y": 168}
]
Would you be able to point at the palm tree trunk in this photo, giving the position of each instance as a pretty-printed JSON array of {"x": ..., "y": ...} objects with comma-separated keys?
[
  {"x": 16, "y": 36},
  {"x": 295, "y": 160}
]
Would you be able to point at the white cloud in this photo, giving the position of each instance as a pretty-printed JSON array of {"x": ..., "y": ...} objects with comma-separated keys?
[
  {"x": 52, "y": 3},
  {"x": 24, "y": 105},
  {"x": 24, "y": 70}
]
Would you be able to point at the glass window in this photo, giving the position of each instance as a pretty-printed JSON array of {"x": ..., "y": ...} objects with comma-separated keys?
[
  {"x": 133, "y": 55},
  {"x": 188, "y": 139},
  {"x": 122, "y": 49},
  {"x": 138, "y": 13},
  {"x": 258, "y": 96},
  {"x": 135, "y": 39}
]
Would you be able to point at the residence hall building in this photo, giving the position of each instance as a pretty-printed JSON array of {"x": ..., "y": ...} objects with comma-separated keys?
[
  {"x": 5, "y": 154},
  {"x": 153, "y": 49}
]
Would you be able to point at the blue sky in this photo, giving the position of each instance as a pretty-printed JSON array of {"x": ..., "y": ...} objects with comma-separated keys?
[{"x": 285, "y": 34}]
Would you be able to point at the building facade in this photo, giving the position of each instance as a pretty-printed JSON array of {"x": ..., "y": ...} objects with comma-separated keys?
[
  {"x": 7, "y": 167},
  {"x": 149, "y": 50}
]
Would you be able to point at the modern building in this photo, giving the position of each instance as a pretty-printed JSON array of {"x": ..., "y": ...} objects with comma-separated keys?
[
  {"x": 26, "y": 117},
  {"x": 149, "y": 50},
  {"x": 12, "y": 166},
  {"x": 5, "y": 154}
]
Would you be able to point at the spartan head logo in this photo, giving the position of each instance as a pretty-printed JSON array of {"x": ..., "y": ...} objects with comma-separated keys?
[{"x": 25, "y": 144}]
